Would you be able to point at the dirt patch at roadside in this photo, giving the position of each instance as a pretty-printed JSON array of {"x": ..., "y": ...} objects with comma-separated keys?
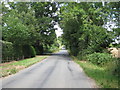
[{"x": 6, "y": 63}]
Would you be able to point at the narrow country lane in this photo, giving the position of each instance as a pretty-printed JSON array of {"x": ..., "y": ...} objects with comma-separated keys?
[{"x": 56, "y": 71}]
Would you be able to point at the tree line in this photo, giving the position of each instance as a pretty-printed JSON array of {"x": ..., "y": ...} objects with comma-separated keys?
[
  {"x": 28, "y": 29},
  {"x": 87, "y": 32},
  {"x": 84, "y": 30}
]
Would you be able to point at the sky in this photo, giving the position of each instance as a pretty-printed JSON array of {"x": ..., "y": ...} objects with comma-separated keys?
[{"x": 58, "y": 31}]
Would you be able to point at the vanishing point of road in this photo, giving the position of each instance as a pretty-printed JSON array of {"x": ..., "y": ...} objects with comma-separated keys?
[{"x": 56, "y": 71}]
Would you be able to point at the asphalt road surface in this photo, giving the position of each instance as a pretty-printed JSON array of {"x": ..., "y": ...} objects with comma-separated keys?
[{"x": 56, "y": 71}]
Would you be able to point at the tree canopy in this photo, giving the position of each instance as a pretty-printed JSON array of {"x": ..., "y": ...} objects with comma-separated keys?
[
  {"x": 27, "y": 24},
  {"x": 83, "y": 26}
]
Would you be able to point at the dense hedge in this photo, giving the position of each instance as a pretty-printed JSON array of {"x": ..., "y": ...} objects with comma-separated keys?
[
  {"x": 12, "y": 52},
  {"x": 7, "y": 50},
  {"x": 39, "y": 49},
  {"x": 33, "y": 52},
  {"x": 100, "y": 58},
  {"x": 28, "y": 51}
]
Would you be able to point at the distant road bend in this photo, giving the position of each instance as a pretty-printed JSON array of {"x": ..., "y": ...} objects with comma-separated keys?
[{"x": 56, "y": 71}]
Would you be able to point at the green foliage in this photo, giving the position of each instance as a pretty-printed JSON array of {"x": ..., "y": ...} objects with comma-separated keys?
[
  {"x": 101, "y": 75},
  {"x": 114, "y": 70},
  {"x": 28, "y": 51},
  {"x": 18, "y": 52},
  {"x": 33, "y": 52},
  {"x": 18, "y": 28},
  {"x": 100, "y": 58},
  {"x": 53, "y": 48},
  {"x": 28, "y": 24},
  {"x": 12, "y": 71},
  {"x": 39, "y": 49},
  {"x": 117, "y": 37},
  {"x": 82, "y": 27},
  {"x": 46, "y": 20},
  {"x": 7, "y": 50},
  {"x": 15, "y": 31},
  {"x": 11, "y": 52}
]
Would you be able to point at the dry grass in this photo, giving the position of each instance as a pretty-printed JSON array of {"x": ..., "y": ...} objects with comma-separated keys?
[{"x": 13, "y": 67}]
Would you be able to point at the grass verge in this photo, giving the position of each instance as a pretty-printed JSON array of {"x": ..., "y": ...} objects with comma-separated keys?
[
  {"x": 103, "y": 78},
  {"x": 15, "y": 66}
]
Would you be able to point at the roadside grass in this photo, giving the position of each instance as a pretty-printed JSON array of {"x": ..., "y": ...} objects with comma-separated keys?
[
  {"x": 103, "y": 78},
  {"x": 15, "y": 66}
]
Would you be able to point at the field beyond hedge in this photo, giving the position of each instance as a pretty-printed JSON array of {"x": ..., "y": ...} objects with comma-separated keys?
[{"x": 15, "y": 66}]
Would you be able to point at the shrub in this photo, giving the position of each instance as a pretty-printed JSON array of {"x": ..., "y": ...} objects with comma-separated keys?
[
  {"x": 18, "y": 52},
  {"x": 32, "y": 51},
  {"x": 83, "y": 54},
  {"x": 53, "y": 48},
  {"x": 100, "y": 58},
  {"x": 28, "y": 51},
  {"x": 113, "y": 67},
  {"x": 116, "y": 67},
  {"x": 7, "y": 51},
  {"x": 39, "y": 49}
]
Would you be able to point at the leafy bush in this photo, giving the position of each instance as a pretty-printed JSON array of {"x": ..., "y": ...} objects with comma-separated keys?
[
  {"x": 18, "y": 52},
  {"x": 39, "y": 49},
  {"x": 100, "y": 58},
  {"x": 113, "y": 67},
  {"x": 28, "y": 51},
  {"x": 82, "y": 55},
  {"x": 7, "y": 51},
  {"x": 12, "y": 52},
  {"x": 32, "y": 51}
]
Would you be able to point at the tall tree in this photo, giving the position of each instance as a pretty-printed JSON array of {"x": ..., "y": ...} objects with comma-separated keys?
[
  {"x": 45, "y": 13},
  {"x": 82, "y": 27}
]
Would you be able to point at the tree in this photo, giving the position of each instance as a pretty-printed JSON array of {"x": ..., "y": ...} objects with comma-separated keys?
[
  {"x": 45, "y": 15},
  {"x": 18, "y": 29},
  {"x": 26, "y": 25},
  {"x": 82, "y": 26}
]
